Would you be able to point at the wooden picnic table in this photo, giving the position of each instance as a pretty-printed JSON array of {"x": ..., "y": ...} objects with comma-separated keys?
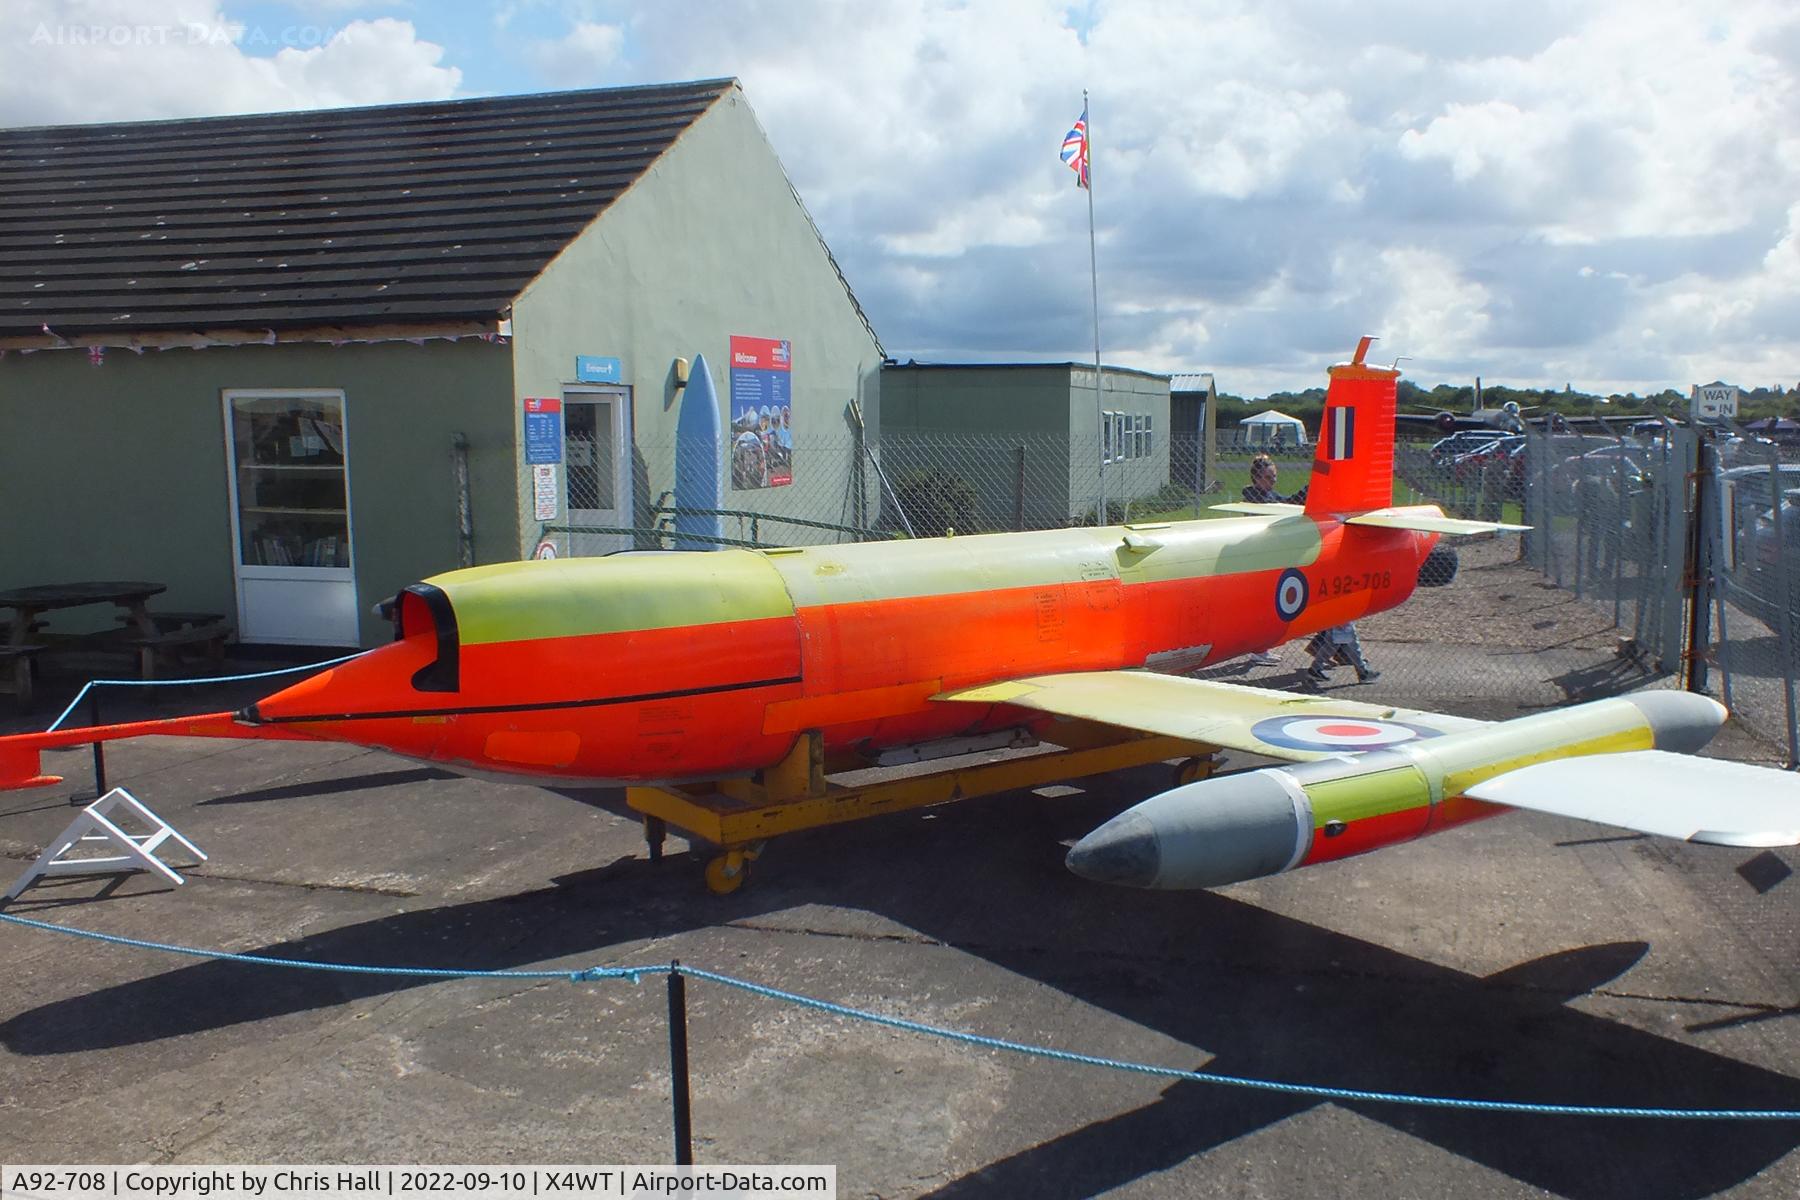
[
  {"x": 157, "y": 638},
  {"x": 29, "y": 603}
]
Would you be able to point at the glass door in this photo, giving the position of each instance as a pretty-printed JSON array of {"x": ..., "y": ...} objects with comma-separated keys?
[
  {"x": 594, "y": 441},
  {"x": 291, "y": 517}
]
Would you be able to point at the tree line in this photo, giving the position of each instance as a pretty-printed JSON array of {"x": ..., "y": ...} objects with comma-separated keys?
[{"x": 1308, "y": 405}]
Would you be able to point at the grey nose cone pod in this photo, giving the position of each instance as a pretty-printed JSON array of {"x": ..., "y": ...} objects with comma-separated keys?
[{"x": 1206, "y": 834}]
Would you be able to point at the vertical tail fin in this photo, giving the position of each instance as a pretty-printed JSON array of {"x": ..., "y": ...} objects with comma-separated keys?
[{"x": 1353, "y": 471}]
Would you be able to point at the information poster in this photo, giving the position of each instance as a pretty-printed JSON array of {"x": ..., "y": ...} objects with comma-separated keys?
[
  {"x": 762, "y": 421},
  {"x": 543, "y": 430},
  {"x": 547, "y": 503}
]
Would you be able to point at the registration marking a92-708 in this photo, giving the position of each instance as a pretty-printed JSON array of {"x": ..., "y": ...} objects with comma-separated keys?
[{"x": 1343, "y": 585}]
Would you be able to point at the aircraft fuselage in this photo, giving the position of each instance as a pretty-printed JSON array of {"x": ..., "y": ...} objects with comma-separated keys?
[{"x": 676, "y": 666}]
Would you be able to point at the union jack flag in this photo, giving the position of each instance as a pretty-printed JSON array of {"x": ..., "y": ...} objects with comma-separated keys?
[{"x": 1075, "y": 149}]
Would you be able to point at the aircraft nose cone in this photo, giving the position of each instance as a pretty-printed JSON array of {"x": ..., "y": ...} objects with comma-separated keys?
[{"x": 1122, "y": 851}]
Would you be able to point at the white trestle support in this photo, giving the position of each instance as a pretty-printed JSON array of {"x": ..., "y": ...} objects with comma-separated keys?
[{"x": 96, "y": 824}]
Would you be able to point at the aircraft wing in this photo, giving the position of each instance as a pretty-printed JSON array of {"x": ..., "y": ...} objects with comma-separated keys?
[
  {"x": 1457, "y": 421},
  {"x": 1652, "y": 791},
  {"x": 1226, "y": 715}
]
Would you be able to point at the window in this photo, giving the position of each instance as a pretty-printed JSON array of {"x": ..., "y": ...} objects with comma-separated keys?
[
  {"x": 1126, "y": 435},
  {"x": 289, "y": 458}
]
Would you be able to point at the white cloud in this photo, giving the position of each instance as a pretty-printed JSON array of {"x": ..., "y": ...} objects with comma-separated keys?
[
  {"x": 1536, "y": 191},
  {"x": 584, "y": 58},
  {"x": 103, "y": 60},
  {"x": 1246, "y": 153}
]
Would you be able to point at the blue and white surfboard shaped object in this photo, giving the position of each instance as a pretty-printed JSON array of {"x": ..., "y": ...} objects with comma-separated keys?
[{"x": 699, "y": 463}]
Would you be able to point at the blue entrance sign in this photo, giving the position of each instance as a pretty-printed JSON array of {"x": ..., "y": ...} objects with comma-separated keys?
[
  {"x": 592, "y": 368},
  {"x": 543, "y": 430}
]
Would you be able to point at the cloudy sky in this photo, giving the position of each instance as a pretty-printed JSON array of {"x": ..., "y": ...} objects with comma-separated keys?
[{"x": 1539, "y": 191}]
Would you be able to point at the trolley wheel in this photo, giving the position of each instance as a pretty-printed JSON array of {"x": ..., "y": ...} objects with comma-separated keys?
[
  {"x": 1193, "y": 770},
  {"x": 725, "y": 873}
]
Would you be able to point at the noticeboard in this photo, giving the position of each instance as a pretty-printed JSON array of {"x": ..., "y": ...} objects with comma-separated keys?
[
  {"x": 762, "y": 420},
  {"x": 543, "y": 430}
]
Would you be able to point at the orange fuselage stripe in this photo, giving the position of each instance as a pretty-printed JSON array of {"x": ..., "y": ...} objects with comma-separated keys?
[{"x": 729, "y": 697}]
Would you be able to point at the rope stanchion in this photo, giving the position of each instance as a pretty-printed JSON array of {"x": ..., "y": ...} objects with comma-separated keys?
[
  {"x": 680, "y": 1097},
  {"x": 676, "y": 970}
]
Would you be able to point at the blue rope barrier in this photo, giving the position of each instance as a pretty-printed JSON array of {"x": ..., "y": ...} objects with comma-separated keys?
[
  {"x": 581, "y": 976},
  {"x": 94, "y": 683},
  {"x": 634, "y": 974}
]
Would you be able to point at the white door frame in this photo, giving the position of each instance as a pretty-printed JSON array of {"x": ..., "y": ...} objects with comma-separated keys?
[
  {"x": 620, "y": 396},
  {"x": 333, "y": 584}
]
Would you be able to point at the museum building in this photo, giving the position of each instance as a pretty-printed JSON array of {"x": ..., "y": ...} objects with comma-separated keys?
[{"x": 287, "y": 364}]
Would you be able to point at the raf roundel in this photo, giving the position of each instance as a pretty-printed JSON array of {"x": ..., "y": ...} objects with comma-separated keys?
[
  {"x": 1290, "y": 594},
  {"x": 1344, "y": 734}
]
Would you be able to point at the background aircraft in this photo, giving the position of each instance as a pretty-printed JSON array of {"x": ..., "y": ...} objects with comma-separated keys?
[{"x": 1506, "y": 418}]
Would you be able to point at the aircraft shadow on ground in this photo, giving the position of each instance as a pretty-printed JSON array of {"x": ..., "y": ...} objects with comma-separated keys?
[
  {"x": 328, "y": 787},
  {"x": 1268, "y": 995}
]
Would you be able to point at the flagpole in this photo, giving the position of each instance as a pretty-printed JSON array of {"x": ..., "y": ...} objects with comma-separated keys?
[{"x": 1094, "y": 277}]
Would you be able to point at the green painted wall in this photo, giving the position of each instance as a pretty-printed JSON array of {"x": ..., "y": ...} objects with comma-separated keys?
[
  {"x": 120, "y": 471},
  {"x": 983, "y": 426},
  {"x": 1027, "y": 398},
  {"x": 710, "y": 242},
  {"x": 1129, "y": 479},
  {"x": 972, "y": 419}
]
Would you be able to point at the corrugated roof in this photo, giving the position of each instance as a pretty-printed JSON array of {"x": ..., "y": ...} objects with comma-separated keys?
[
  {"x": 913, "y": 364},
  {"x": 401, "y": 214}
]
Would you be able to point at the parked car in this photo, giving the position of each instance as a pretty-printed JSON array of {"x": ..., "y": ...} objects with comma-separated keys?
[
  {"x": 1594, "y": 476},
  {"x": 1444, "y": 452},
  {"x": 1468, "y": 467},
  {"x": 1735, "y": 451},
  {"x": 1762, "y": 562}
]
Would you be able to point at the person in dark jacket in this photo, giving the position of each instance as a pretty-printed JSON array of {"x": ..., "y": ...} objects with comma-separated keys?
[
  {"x": 1262, "y": 491},
  {"x": 1263, "y": 473}
]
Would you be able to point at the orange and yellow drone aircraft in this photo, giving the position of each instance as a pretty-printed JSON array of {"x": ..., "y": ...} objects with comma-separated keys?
[{"x": 673, "y": 668}]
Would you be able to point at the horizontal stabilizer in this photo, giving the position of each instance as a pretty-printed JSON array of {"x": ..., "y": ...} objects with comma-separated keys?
[
  {"x": 1259, "y": 510},
  {"x": 1428, "y": 518},
  {"x": 1652, "y": 791}
]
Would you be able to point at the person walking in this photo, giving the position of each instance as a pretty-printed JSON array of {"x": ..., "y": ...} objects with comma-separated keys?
[
  {"x": 1338, "y": 643},
  {"x": 1261, "y": 490}
]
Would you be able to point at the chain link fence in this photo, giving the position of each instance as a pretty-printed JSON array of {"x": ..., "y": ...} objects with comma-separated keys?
[
  {"x": 1595, "y": 597},
  {"x": 909, "y": 484},
  {"x": 1749, "y": 546}
]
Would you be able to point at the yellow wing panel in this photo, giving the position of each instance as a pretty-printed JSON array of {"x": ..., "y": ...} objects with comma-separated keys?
[{"x": 1284, "y": 725}]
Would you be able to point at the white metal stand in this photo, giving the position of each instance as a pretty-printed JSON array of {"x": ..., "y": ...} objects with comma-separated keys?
[{"x": 137, "y": 852}]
